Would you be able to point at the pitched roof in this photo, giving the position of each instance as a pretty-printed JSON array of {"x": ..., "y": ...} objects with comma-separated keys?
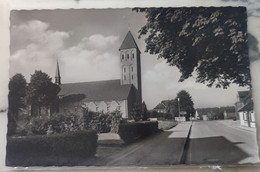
[
  {"x": 248, "y": 107},
  {"x": 160, "y": 106},
  {"x": 97, "y": 90},
  {"x": 129, "y": 42},
  {"x": 243, "y": 94}
]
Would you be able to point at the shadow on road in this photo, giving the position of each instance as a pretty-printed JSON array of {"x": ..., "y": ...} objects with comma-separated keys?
[{"x": 214, "y": 150}]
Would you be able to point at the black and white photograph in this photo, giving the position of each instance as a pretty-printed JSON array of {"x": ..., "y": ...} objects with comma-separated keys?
[{"x": 130, "y": 87}]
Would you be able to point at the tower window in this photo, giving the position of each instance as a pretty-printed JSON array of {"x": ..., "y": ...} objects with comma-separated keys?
[
  {"x": 122, "y": 56},
  {"x": 132, "y": 77},
  {"x": 124, "y": 77},
  {"x": 127, "y": 56},
  {"x": 132, "y": 68}
]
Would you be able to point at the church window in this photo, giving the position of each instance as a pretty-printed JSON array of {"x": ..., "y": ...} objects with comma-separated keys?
[
  {"x": 132, "y": 77},
  {"x": 122, "y": 56},
  {"x": 124, "y": 69},
  {"x": 132, "y": 68},
  {"x": 124, "y": 77},
  {"x": 127, "y": 56},
  {"x": 133, "y": 56}
]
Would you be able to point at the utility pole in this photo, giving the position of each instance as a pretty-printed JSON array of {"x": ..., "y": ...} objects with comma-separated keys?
[{"x": 179, "y": 106}]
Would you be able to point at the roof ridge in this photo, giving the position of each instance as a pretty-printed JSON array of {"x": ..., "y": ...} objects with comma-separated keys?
[{"x": 91, "y": 81}]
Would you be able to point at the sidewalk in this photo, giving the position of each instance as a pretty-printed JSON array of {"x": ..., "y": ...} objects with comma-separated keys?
[
  {"x": 236, "y": 124},
  {"x": 181, "y": 130}
]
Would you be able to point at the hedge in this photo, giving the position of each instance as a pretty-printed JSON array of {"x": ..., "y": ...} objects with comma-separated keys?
[
  {"x": 48, "y": 150},
  {"x": 130, "y": 132}
]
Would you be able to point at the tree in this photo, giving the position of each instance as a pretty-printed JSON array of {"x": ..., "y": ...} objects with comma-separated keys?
[
  {"x": 208, "y": 43},
  {"x": 145, "y": 114},
  {"x": 186, "y": 104},
  {"x": 41, "y": 91},
  {"x": 17, "y": 89}
]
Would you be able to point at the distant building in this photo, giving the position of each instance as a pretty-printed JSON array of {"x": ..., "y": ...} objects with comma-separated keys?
[
  {"x": 165, "y": 106},
  {"x": 110, "y": 95},
  {"x": 161, "y": 108},
  {"x": 244, "y": 108}
]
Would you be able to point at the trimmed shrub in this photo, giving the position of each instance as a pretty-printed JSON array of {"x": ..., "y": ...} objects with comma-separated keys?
[
  {"x": 102, "y": 122},
  {"x": 47, "y": 150},
  {"x": 130, "y": 132}
]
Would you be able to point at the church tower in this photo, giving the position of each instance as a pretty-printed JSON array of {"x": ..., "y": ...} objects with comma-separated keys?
[
  {"x": 57, "y": 75},
  {"x": 131, "y": 63}
]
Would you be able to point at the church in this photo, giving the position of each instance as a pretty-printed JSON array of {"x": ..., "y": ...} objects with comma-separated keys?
[{"x": 109, "y": 95}]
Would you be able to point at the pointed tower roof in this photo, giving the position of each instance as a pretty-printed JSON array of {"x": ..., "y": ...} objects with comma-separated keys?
[
  {"x": 57, "y": 75},
  {"x": 129, "y": 42}
]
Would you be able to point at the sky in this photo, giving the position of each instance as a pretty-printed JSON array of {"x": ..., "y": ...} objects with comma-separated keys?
[{"x": 86, "y": 44}]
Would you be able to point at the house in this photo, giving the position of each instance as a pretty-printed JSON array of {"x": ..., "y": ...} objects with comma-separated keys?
[
  {"x": 245, "y": 108},
  {"x": 165, "y": 106},
  {"x": 109, "y": 95},
  {"x": 161, "y": 108}
]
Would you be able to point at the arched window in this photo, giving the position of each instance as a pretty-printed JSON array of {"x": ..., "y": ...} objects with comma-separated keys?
[
  {"x": 124, "y": 69},
  {"x": 127, "y": 56},
  {"x": 132, "y": 77},
  {"x": 122, "y": 56},
  {"x": 124, "y": 77},
  {"x": 132, "y": 68},
  {"x": 133, "y": 55}
]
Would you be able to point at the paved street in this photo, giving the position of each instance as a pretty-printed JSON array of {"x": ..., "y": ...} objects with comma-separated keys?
[
  {"x": 221, "y": 142},
  {"x": 163, "y": 148}
]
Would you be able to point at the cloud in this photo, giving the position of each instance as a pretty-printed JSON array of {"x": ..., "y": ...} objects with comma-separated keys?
[
  {"x": 39, "y": 47},
  {"x": 92, "y": 58}
]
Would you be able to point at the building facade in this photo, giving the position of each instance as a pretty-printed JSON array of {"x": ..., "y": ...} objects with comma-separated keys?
[
  {"x": 110, "y": 95},
  {"x": 244, "y": 109}
]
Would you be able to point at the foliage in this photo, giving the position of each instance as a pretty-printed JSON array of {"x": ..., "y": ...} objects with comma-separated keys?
[
  {"x": 145, "y": 114},
  {"x": 102, "y": 122},
  {"x": 136, "y": 112},
  {"x": 210, "y": 41},
  {"x": 185, "y": 102},
  {"x": 17, "y": 90},
  {"x": 51, "y": 150},
  {"x": 130, "y": 132},
  {"x": 41, "y": 91}
]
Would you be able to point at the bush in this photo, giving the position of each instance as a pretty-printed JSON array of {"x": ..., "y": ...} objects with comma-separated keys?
[
  {"x": 47, "y": 150},
  {"x": 102, "y": 122},
  {"x": 130, "y": 132}
]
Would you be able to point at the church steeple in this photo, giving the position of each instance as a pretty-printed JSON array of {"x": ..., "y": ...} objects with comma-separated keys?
[
  {"x": 57, "y": 75},
  {"x": 130, "y": 58}
]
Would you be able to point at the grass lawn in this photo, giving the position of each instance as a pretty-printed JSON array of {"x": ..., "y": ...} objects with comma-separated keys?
[{"x": 165, "y": 125}]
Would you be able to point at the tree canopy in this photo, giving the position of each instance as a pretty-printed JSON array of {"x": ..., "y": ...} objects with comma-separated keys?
[
  {"x": 185, "y": 102},
  {"x": 41, "y": 91},
  {"x": 17, "y": 90},
  {"x": 209, "y": 43}
]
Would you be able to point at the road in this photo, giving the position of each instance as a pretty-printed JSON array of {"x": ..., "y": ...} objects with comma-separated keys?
[
  {"x": 220, "y": 142},
  {"x": 163, "y": 148}
]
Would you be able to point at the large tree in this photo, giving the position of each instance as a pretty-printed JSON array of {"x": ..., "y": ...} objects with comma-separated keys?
[
  {"x": 208, "y": 43},
  {"x": 17, "y": 90},
  {"x": 185, "y": 104},
  {"x": 41, "y": 92}
]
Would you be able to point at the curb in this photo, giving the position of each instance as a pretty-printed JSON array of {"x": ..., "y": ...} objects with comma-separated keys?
[{"x": 183, "y": 156}]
